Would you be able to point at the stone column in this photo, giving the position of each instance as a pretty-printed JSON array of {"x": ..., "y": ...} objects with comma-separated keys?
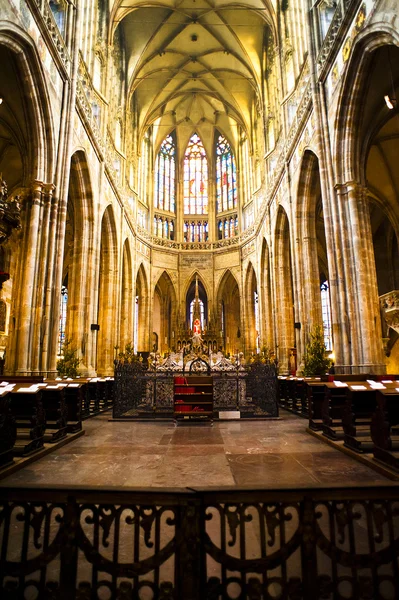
[
  {"x": 365, "y": 327},
  {"x": 26, "y": 300}
]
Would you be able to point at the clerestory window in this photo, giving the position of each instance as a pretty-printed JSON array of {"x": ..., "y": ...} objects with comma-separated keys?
[
  {"x": 165, "y": 176},
  {"x": 195, "y": 178}
]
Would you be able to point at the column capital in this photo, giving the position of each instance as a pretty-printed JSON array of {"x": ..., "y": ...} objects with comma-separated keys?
[{"x": 348, "y": 186}]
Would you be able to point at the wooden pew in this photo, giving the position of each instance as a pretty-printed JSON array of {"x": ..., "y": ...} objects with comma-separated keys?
[
  {"x": 56, "y": 412},
  {"x": 359, "y": 409},
  {"x": 283, "y": 391},
  {"x": 76, "y": 398},
  {"x": 298, "y": 390},
  {"x": 332, "y": 410},
  {"x": 27, "y": 407},
  {"x": 93, "y": 397},
  {"x": 383, "y": 422},
  {"x": 8, "y": 429},
  {"x": 315, "y": 392}
]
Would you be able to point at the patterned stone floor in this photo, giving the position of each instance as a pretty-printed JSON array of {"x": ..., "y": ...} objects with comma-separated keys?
[{"x": 140, "y": 454}]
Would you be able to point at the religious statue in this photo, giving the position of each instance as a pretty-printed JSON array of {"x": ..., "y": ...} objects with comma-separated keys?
[
  {"x": 10, "y": 212},
  {"x": 197, "y": 339}
]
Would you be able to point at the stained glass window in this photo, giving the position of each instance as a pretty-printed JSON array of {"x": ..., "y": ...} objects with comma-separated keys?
[
  {"x": 202, "y": 313},
  {"x": 63, "y": 317},
  {"x": 165, "y": 175},
  {"x": 195, "y": 231},
  {"x": 326, "y": 314},
  {"x": 226, "y": 186},
  {"x": 195, "y": 178}
]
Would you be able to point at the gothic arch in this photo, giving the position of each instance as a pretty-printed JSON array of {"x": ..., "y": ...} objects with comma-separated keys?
[
  {"x": 107, "y": 294},
  {"x": 27, "y": 164},
  {"x": 284, "y": 298},
  {"x": 141, "y": 321},
  {"x": 78, "y": 261},
  {"x": 127, "y": 304},
  {"x": 251, "y": 310},
  {"x": 349, "y": 149},
  {"x": 39, "y": 159},
  {"x": 164, "y": 312},
  {"x": 311, "y": 253},
  {"x": 229, "y": 313},
  {"x": 266, "y": 321}
]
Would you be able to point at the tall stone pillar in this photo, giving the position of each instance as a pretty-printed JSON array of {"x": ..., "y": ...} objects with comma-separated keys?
[
  {"x": 362, "y": 317},
  {"x": 28, "y": 294}
]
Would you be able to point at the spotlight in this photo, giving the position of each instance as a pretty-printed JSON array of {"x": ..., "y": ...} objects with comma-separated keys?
[{"x": 390, "y": 103}]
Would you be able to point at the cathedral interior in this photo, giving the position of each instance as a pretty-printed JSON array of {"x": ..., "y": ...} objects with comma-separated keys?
[
  {"x": 250, "y": 147},
  {"x": 210, "y": 170}
]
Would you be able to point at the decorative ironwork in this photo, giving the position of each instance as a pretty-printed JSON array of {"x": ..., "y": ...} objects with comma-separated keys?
[
  {"x": 199, "y": 544},
  {"x": 251, "y": 389},
  {"x": 130, "y": 387}
]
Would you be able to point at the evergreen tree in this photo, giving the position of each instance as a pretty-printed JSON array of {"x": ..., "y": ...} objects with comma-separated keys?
[
  {"x": 315, "y": 360},
  {"x": 67, "y": 366}
]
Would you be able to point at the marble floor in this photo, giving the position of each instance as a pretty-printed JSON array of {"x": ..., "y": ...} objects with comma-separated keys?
[{"x": 231, "y": 453}]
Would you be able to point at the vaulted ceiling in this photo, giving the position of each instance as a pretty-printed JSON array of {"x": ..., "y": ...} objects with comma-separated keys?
[{"x": 195, "y": 65}]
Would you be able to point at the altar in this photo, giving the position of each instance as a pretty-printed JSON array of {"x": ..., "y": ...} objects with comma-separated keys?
[{"x": 148, "y": 392}]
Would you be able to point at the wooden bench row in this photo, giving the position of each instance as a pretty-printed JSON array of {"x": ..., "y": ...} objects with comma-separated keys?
[
  {"x": 34, "y": 411},
  {"x": 359, "y": 410}
]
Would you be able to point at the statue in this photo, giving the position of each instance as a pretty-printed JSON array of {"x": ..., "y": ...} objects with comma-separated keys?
[
  {"x": 10, "y": 212},
  {"x": 197, "y": 339}
]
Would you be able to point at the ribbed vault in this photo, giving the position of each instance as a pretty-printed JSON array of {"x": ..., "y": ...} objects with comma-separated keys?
[{"x": 195, "y": 65}]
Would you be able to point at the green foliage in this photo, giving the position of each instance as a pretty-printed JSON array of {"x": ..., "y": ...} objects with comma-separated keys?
[
  {"x": 315, "y": 360},
  {"x": 67, "y": 366},
  {"x": 128, "y": 356}
]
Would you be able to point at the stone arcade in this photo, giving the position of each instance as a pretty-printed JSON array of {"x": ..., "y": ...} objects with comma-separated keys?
[
  {"x": 249, "y": 146},
  {"x": 212, "y": 177}
]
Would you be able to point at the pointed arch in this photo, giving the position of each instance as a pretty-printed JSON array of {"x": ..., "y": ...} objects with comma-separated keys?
[
  {"x": 165, "y": 175},
  {"x": 107, "y": 295},
  {"x": 190, "y": 294},
  {"x": 351, "y": 122},
  {"x": 195, "y": 178},
  {"x": 251, "y": 308},
  {"x": 226, "y": 175},
  {"x": 284, "y": 299},
  {"x": 37, "y": 126},
  {"x": 126, "y": 322},
  {"x": 164, "y": 312},
  {"x": 266, "y": 322},
  {"x": 229, "y": 313},
  {"x": 79, "y": 257},
  {"x": 311, "y": 250},
  {"x": 141, "y": 318}
]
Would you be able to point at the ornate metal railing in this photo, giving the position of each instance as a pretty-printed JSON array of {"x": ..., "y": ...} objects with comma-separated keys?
[
  {"x": 193, "y": 544},
  {"x": 251, "y": 390}
]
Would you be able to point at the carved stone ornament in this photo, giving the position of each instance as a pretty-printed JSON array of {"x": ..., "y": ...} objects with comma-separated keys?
[
  {"x": 389, "y": 304},
  {"x": 10, "y": 212}
]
